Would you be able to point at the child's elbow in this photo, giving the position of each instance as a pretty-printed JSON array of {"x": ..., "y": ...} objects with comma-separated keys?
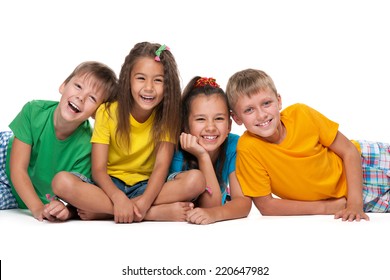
[
  {"x": 264, "y": 206},
  {"x": 264, "y": 211}
]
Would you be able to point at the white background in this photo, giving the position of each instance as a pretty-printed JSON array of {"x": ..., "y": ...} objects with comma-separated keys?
[{"x": 331, "y": 55}]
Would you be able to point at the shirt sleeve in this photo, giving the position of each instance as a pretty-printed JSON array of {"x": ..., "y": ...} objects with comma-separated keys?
[
  {"x": 21, "y": 125},
  {"x": 101, "y": 130},
  {"x": 327, "y": 129},
  {"x": 251, "y": 174}
]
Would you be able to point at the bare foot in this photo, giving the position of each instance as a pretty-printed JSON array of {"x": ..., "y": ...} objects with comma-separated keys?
[
  {"x": 86, "y": 216},
  {"x": 174, "y": 212}
]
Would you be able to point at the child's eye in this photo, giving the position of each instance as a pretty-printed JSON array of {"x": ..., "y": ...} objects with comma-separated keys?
[
  {"x": 248, "y": 110},
  {"x": 199, "y": 119},
  {"x": 220, "y": 119},
  {"x": 159, "y": 80},
  {"x": 93, "y": 98},
  {"x": 77, "y": 86}
]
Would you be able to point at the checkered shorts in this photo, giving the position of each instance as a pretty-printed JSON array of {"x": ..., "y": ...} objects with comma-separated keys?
[
  {"x": 376, "y": 176},
  {"x": 7, "y": 200}
]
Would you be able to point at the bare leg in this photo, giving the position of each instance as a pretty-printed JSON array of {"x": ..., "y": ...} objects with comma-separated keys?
[
  {"x": 187, "y": 186},
  {"x": 83, "y": 196},
  {"x": 173, "y": 202}
]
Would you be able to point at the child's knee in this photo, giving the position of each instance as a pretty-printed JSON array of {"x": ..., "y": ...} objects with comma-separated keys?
[
  {"x": 61, "y": 182},
  {"x": 195, "y": 181}
]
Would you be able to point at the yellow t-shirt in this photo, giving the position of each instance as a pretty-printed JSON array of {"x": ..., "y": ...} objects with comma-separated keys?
[
  {"x": 129, "y": 165},
  {"x": 302, "y": 167}
]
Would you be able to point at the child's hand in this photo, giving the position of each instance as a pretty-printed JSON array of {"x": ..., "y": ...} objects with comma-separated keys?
[
  {"x": 200, "y": 216},
  {"x": 56, "y": 210},
  {"x": 123, "y": 210},
  {"x": 38, "y": 213},
  {"x": 140, "y": 209},
  {"x": 352, "y": 213},
  {"x": 190, "y": 143}
]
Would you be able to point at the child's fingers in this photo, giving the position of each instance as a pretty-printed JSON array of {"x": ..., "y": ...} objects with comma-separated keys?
[
  {"x": 46, "y": 215},
  {"x": 63, "y": 215},
  {"x": 351, "y": 216}
]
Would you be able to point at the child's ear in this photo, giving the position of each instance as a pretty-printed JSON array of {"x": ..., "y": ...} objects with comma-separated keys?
[
  {"x": 236, "y": 118},
  {"x": 280, "y": 102},
  {"x": 61, "y": 89},
  {"x": 230, "y": 124}
]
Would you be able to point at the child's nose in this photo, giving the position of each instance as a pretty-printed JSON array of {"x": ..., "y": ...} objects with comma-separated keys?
[
  {"x": 149, "y": 85},
  {"x": 261, "y": 114},
  {"x": 81, "y": 97},
  {"x": 210, "y": 125}
]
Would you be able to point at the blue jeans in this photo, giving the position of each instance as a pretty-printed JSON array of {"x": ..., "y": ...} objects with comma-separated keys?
[{"x": 131, "y": 191}]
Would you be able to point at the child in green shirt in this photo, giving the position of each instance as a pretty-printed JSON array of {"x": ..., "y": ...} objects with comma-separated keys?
[{"x": 50, "y": 136}]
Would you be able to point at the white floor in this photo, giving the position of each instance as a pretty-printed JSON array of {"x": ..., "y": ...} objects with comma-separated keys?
[{"x": 302, "y": 247}]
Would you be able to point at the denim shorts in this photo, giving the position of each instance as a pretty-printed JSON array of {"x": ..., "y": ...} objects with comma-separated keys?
[
  {"x": 83, "y": 178},
  {"x": 130, "y": 191},
  {"x": 173, "y": 175}
]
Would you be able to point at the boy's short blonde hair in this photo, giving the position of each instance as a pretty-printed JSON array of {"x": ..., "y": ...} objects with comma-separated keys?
[
  {"x": 105, "y": 77},
  {"x": 247, "y": 83}
]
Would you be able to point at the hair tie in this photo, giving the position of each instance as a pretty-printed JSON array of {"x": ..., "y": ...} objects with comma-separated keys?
[
  {"x": 159, "y": 51},
  {"x": 201, "y": 82}
]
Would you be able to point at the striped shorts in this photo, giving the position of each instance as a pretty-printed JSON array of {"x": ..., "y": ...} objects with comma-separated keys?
[
  {"x": 376, "y": 176},
  {"x": 7, "y": 200}
]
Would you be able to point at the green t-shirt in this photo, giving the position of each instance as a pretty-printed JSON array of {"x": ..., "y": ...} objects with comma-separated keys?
[{"x": 34, "y": 126}]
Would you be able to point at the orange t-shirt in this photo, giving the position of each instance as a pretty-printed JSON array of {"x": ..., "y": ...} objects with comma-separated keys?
[{"x": 301, "y": 167}]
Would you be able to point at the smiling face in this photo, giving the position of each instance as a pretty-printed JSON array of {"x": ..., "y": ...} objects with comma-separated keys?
[
  {"x": 260, "y": 113},
  {"x": 147, "y": 87},
  {"x": 209, "y": 121},
  {"x": 80, "y": 98}
]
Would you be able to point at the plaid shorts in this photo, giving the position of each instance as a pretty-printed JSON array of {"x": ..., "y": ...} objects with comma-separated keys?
[
  {"x": 7, "y": 200},
  {"x": 376, "y": 176}
]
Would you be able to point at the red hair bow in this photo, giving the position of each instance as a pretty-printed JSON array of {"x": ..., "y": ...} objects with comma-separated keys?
[{"x": 201, "y": 82}]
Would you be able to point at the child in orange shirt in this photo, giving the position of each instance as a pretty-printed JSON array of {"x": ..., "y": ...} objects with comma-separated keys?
[{"x": 300, "y": 156}]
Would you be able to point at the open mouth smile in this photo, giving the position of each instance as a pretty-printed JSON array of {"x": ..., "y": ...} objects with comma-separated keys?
[
  {"x": 147, "y": 98},
  {"x": 264, "y": 123},
  {"x": 209, "y": 137},
  {"x": 74, "y": 107}
]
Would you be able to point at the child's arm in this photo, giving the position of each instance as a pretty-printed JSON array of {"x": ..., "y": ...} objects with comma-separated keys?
[
  {"x": 123, "y": 207},
  {"x": 20, "y": 159},
  {"x": 268, "y": 205},
  {"x": 272, "y": 206},
  {"x": 157, "y": 179},
  {"x": 238, "y": 207},
  {"x": 190, "y": 144},
  {"x": 353, "y": 169}
]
